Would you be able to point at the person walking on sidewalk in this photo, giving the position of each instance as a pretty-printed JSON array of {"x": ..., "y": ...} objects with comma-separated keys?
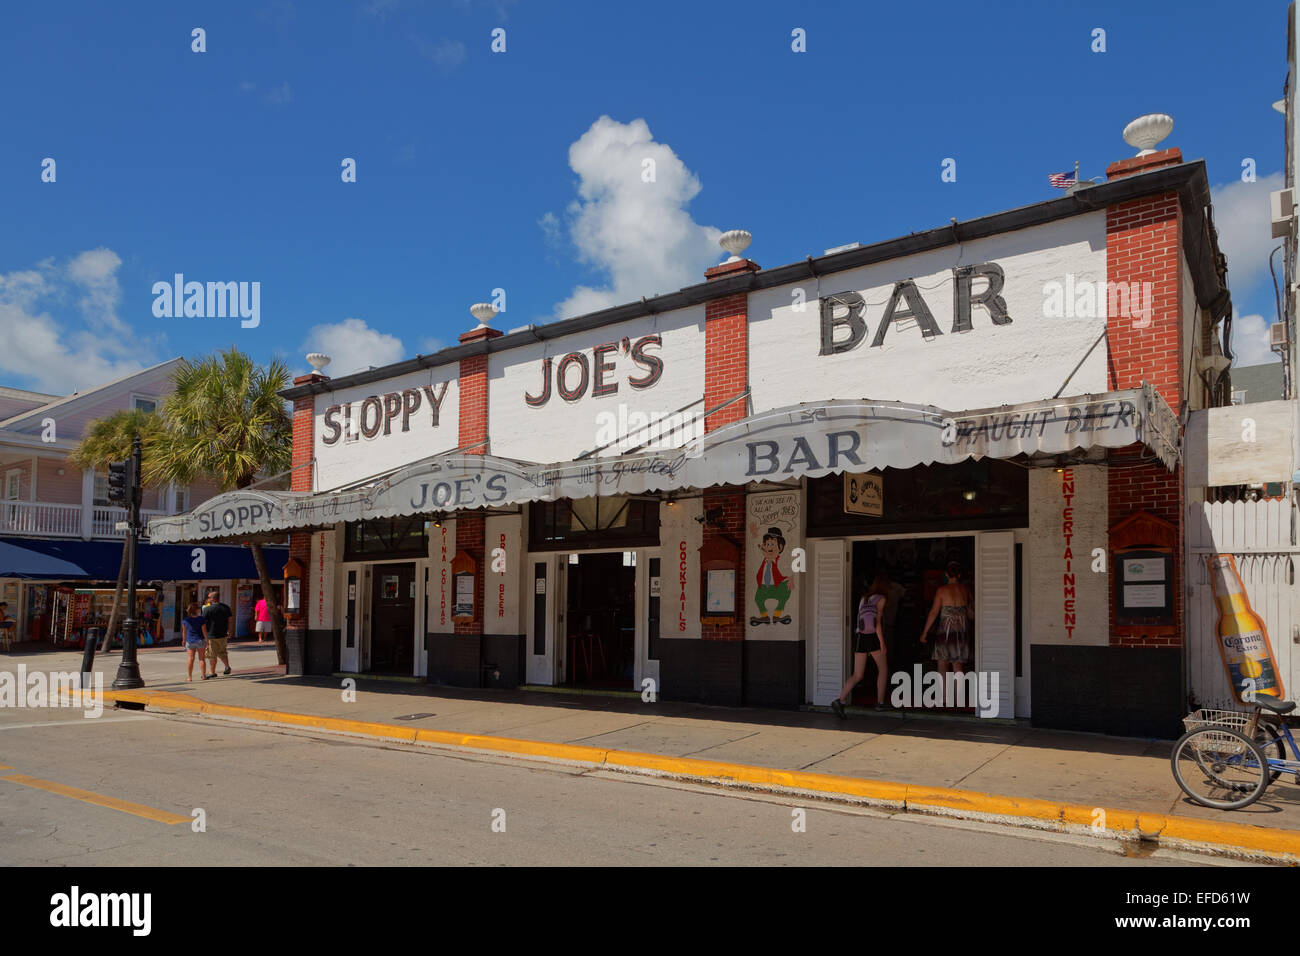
[
  {"x": 262, "y": 617},
  {"x": 194, "y": 625},
  {"x": 868, "y": 640},
  {"x": 952, "y": 606},
  {"x": 217, "y": 615}
]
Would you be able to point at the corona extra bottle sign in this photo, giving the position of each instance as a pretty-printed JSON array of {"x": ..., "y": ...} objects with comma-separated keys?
[{"x": 1243, "y": 639}]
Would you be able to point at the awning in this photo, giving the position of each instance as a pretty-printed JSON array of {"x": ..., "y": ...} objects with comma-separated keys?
[
  {"x": 16, "y": 562},
  {"x": 66, "y": 560},
  {"x": 810, "y": 440}
]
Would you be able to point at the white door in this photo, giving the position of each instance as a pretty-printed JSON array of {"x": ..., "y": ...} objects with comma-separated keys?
[
  {"x": 350, "y": 615},
  {"x": 1022, "y": 682},
  {"x": 828, "y": 615},
  {"x": 363, "y": 637},
  {"x": 545, "y": 618},
  {"x": 648, "y": 589},
  {"x": 421, "y": 586},
  {"x": 995, "y": 620}
]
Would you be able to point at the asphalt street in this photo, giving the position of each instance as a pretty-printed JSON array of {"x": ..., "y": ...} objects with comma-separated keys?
[{"x": 199, "y": 791}]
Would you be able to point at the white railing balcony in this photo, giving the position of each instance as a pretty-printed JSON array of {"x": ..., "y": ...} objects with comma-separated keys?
[
  {"x": 39, "y": 518},
  {"x": 104, "y": 523}
]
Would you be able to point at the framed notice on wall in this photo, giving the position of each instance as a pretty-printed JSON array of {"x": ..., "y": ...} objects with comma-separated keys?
[
  {"x": 464, "y": 578},
  {"x": 720, "y": 592},
  {"x": 1145, "y": 586},
  {"x": 864, "y": 494},
  {"x": 719, "y": 564}
]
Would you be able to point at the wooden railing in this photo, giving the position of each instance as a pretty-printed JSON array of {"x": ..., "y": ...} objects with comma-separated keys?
[{"x": 40, "y": 518}]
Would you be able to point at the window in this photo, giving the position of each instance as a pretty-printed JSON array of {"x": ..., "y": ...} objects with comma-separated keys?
[
  {"x": 13, "y": 485},
  {"x": 593, "y": 523},
  {"x": 142, "y": 404},
  {"x": 101, "y": 491},
  {"x": 182, "y": 500},
  {"x": 381, "y": 538}
]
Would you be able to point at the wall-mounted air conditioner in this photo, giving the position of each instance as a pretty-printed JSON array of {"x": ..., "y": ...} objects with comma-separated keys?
[
  {"x": 1282, "y": 210},
  {"x": 1277, "y": 336}
]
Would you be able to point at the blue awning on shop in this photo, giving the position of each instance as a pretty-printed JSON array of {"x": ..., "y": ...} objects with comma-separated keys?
[
  {"x": 100, "y": 560},
  {"x": 18, "y": 562}
]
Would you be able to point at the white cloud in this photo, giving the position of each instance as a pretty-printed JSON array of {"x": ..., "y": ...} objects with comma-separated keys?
[
  {"x": 1249, "y": 343},
  {"x": 446, "y": 55},
  {"x": 380, "y": 8},
  {"x": 59, "y": 357},
  {"x": 281, "y": 95},
  {"x": 430, "y": 345},
  {"x": 95, "y": 271},
  {"x": 637, "y": 232},
  {"x": 1242, "y": 217},
  {"x": 354, "y": 346}
]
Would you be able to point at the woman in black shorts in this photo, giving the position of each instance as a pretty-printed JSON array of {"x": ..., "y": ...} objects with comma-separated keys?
[{"x": 869, "y": 639}]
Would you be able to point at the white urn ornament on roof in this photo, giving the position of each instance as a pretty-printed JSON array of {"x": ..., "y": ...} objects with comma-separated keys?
[
  {"x": 484, "y": 312},
  {"x": 1145, "y": 131},
  {"x": 318, "y": 361},
  {"x": 735, "y": 241}
]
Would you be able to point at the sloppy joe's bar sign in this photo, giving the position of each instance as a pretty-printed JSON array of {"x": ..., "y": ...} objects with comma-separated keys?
[
  {"x": 574, "y": 373},
  {"x": 378, "y": 415},
  {"x": 844, "y": 318},
  {"x": 835, "y": 436}
]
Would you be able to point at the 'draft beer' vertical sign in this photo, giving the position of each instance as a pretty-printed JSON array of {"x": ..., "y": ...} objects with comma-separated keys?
[{"x": 1243, "y": 638}]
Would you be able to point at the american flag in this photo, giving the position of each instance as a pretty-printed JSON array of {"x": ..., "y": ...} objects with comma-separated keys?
[{"x": 1062, "y": 180}]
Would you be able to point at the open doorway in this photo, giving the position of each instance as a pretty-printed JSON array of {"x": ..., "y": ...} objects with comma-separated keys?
[
  {"x": 916, "y": 571},
  {"x": 600, "y": 621}
]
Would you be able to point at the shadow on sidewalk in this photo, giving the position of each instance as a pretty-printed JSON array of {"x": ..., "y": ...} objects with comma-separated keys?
[{"x": 900, "y": 726}]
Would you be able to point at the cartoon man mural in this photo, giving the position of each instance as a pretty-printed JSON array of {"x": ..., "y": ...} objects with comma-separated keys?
[{"x": 772, "y": 584}]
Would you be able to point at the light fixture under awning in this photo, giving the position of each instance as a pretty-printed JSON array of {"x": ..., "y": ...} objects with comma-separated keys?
[{"x": 802, "y": 440}]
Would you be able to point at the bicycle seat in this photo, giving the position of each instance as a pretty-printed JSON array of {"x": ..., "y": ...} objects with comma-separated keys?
[{"x": 1273, "y": 704}]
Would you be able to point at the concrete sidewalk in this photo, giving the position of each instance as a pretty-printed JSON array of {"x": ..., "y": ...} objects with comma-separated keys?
[{"x": 1049, "y": 779}]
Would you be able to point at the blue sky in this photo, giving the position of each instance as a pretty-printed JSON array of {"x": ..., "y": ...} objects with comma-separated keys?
[{"x": 479, "y": 170}]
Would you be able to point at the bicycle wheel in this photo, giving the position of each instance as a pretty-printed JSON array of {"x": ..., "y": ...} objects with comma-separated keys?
[
  {"x": 1220, "y": 768},
  {"x": 1273, "y": 744}
]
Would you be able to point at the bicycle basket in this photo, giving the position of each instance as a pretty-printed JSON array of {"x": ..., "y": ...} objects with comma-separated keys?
[{"x": 1242, "y": 723}]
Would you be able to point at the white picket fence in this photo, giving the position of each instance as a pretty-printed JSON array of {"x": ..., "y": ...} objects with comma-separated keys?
[{"x": 1261, "y": 536}]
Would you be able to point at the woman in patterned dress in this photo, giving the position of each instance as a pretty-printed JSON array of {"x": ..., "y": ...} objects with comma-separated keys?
[{"x": 952, "y": 606}]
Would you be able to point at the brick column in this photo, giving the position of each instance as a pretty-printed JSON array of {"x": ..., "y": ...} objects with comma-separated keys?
[
  {"x": 726, "y": 373},
  {"x": 726, "y": 347},
  {"x": 1143, "y": 239},
  {"x": 302, "y": 478},
  {"x": 470, "y": 527}
]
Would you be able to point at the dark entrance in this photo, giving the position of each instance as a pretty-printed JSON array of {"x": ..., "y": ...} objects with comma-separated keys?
[
  {"x": 392, "y": 619},
  {"x": 600, "y": 622},
  {"x": 916, "y": 569}
]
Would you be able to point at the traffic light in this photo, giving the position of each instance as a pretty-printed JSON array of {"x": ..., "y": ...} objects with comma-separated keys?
[{"x": 121, "y": 482}]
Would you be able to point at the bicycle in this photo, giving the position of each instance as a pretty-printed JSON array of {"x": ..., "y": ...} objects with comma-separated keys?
[{"x": 1226, "y": 759}]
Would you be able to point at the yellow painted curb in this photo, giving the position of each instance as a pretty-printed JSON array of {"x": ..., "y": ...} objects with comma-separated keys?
[{"x": 1269, "y": 841}]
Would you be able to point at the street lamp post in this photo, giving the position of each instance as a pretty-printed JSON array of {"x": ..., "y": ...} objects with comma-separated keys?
[{"x": 128, "y": 670}]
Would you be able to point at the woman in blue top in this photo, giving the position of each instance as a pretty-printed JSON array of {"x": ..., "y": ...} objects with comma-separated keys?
[
  {"x": 869, "y": 639},
  {"x": 196, "y": 641}
]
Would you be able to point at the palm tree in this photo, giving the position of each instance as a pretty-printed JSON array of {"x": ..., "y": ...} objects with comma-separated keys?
[
  {"x": 108, "y": 440},
  {"x": 225, "y": 421}
]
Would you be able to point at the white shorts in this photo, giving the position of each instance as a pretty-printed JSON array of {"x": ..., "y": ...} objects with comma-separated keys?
[{"x": 264, "y": 627}]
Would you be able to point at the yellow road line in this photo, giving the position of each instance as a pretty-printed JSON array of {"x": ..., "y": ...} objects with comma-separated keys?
[{"x": 89, "y": 796}]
